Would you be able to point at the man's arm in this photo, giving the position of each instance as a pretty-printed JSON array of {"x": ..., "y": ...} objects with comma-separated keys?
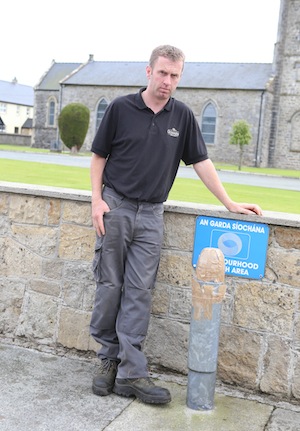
[
  {"x": 208, "y": 175},
  {"x": 99, "y": 206}
]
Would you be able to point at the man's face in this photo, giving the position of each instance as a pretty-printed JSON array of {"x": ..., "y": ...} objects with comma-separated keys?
[{"x": 164, "y": 77}]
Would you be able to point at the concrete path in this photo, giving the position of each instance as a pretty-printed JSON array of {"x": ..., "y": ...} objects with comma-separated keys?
[
  {"x": 245, "y": 178},
  {"x": 43, "y": 392}
]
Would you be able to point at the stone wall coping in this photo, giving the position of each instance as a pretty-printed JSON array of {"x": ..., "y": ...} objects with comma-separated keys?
[{"x": 269, "y": 217}]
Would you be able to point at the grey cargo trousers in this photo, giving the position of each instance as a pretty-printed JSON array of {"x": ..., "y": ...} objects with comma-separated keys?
[{"x": 125, "y": 267}]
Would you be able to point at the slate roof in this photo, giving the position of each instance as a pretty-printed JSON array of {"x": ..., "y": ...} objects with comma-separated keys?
[
  {"x": 27, "y": 124},
  {"x": 17, "y": 94},
  {"x": 57, "y": 71},
  {"x": 246, "y": 76}
]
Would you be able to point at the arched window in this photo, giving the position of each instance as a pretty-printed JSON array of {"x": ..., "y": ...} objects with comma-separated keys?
[
  {"x": 295, "y": 136},
  {"x": 51, "y": 111},
  {"x": 208, "y": 126},
  {"x": 100, "y": 112}
]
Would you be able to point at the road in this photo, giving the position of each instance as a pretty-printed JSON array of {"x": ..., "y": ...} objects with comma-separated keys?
[{"x": 243, "y": 178}]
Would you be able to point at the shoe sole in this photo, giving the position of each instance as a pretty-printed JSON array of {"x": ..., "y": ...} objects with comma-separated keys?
[
  {"x": 128, "y": 391},
  {"x": 102, "y": 392}
]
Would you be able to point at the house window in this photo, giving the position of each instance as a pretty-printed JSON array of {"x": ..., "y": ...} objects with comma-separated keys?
[
  {"x": 51, "y": 112},
  {"x": 100, "y": 112},
  {"x": 2, "y": 108},
  {"x": 208, "y": 127}
]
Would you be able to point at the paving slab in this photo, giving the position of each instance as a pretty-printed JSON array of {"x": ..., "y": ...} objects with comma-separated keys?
[
  {"x": 229, "y": 414},
  {"x": 45, "y": 392},
  {"x": 284, "y": 420}
]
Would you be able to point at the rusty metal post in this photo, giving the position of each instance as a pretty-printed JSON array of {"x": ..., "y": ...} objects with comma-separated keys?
[{"x": 208, "y": 291}]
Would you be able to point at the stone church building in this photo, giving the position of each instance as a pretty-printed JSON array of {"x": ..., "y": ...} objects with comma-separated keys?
[{"x": 267, "y": 96}]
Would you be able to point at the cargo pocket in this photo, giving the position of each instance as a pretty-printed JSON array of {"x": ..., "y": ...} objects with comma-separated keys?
[{"x": 97, "y": 258}]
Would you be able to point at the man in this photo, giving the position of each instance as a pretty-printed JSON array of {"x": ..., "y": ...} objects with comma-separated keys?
[{"x": 136, "y": 154}]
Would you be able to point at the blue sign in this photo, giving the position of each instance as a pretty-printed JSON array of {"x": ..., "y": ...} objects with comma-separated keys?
[{"x": 244, "y": 244}]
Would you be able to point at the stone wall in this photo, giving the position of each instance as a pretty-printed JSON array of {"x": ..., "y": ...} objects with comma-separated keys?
[
  {"x": 14, "y": 139},
  {"x": 47, "y": 289}
]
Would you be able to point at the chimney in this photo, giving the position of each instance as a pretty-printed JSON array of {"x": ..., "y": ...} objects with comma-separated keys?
[{"x": 91, "y": 57}]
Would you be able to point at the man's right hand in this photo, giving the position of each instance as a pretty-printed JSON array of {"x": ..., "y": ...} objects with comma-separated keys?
[{"x": 99, "y": 208}]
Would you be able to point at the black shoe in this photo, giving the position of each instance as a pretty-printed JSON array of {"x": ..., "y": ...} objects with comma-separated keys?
[
  {"x": 144, "y": 389},
  {"x": 104, "y": 382}
]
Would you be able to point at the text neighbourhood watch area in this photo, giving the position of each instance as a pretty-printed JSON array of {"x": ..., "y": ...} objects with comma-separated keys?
[{"x": 244, "y": 244}]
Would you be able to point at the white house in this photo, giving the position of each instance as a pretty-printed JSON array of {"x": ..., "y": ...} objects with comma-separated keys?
[{"x": 16, "y": 108}]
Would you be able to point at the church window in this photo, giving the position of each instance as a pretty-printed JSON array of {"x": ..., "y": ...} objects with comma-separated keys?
[
  {"x": 51, "y": 112},
  {"x": 100, "y": 112},
  {"x": 208, "y": 126},
  {"x": 297, "y": 67},
  {"x": 295, "y": 135}
]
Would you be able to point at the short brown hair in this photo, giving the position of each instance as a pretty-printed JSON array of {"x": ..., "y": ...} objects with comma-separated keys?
[{"x": 167, "y": 51}]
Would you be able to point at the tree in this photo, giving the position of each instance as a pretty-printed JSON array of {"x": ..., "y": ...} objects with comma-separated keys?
[
  {"x": 73, "y": 123},
  {"x": 240, "y": 135}
]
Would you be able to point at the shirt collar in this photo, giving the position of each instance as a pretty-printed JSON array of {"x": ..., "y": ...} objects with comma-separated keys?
[{"x": 141, "y": 104}]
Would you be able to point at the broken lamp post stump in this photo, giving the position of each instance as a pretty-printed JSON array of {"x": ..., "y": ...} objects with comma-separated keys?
[{"x": 208, "y": 291}]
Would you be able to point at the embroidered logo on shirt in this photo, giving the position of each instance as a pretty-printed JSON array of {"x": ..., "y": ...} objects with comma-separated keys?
[{"x": 173, "y": 132}]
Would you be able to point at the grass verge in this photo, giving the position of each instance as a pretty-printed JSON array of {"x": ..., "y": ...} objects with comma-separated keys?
[{"x": 186, "y": 190}]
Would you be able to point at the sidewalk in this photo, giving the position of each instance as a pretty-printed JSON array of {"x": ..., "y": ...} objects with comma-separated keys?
[{"x": 42, "y": 392}]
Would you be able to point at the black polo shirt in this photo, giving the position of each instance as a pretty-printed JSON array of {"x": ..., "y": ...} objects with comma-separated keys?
[{"x": 144, "y": 149}]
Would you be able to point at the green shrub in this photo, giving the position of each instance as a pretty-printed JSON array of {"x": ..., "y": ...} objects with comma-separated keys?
[{"x": 73, "y": 123}]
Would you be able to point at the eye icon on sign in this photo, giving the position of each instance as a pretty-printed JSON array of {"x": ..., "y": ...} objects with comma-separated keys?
[{"x": 230, "y": 244}]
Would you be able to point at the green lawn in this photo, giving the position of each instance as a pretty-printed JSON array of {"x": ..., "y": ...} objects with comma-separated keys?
[
  {"x": 44, "y": 174},
  {"x": 21, "y": 148},
  {"x": 268, "y": 171},
  {"x": 186, "y": 190}
]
